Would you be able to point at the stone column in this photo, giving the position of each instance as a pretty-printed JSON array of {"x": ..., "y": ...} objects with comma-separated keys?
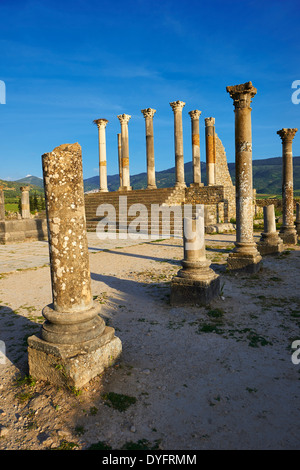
[
  {"x": 177, "y": 107},
  {"x": 101, "y": 124},
  {"x": 195, "y": 115},
  {"x": 210, "y": 143},
  {"x": 124, "y": 119},
  {"x": 74, "y": 345},
  {"x": 25, "y": 203},
  {"x": 148, "y": 115},
  {"x": 196, "y": 283},
  {"x": 2, "y": 204},
  {"x": 287, "y": 231},
  {"x": 298, "y": 218},
  {"x": 120, "y": 160},
  {"x": 245, "y": 254},
  {"x": 270, "y": 242}
]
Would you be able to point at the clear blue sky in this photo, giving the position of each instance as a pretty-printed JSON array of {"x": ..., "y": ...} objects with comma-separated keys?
[{"x": 66, "y": 63}]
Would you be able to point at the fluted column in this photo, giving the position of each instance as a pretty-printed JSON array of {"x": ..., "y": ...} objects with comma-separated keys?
[
  {"x": 210, "y": 144},
  {"x": 101, "y": 124},
  {"x": 148, "y": 115},
  {"x": 287, "y": 231},
  {"x": 245, "y": 254},
  {"x": 124, "y": 119},
  {"x": 195, "y": 115},
  {"x": 2, "y": 204},
  {"x": 177, "y": 107},
  {"x": 120, "y": 160},
  {"x": 25, "y": 202}
]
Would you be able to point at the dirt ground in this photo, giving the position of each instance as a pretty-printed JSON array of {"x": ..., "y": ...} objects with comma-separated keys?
[{"x": 192, "y": 378}]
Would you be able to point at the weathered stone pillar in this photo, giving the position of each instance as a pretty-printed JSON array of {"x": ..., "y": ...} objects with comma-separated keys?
[
  {"x": 177, "y": 107},
  {"x": 270, "y": 242},
  {"x": 195, "y": 115},
  {"x": 74, "y": 345},
  {"x": 245, "y": 254},
  {"x": 148, "y": 115},
  {"x": 287, "y": 231},
  {"x": 124, "y": 119},
  {"x": 298, "y": 218},
  {"x": 101, "y": 124},
  {"x": 2, "y": 204},
  {"x": 196, "y": 283},
  {"x": 25, "y": 202},
  {"x": 120, "y": 160},
  {"x": 210, "y": 143}
]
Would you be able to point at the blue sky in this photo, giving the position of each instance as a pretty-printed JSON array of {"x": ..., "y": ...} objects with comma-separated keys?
[{"x": 66, "y": 63}]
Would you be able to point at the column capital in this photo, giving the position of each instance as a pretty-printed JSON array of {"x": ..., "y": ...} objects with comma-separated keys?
[
  {"x": 242, "y": 94},
  {"x": 148, "y": 112},
  {"x": 195, "y": 114},
  {"x": 101, "y": 122},
  {"x": 124, "y": 118},
  {"x": 210, "y": 121},
  {"x": 25, "y": 188},
  {"x": 177, "y": 105},
  {"x": 287, "y": 135}
]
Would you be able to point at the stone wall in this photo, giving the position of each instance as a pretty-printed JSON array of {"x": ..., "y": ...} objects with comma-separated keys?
[
  {"x": 219, "y": 202},
  {"x": 12, "y": 231}
]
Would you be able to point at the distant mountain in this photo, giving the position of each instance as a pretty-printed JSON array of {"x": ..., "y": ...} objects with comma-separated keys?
[{"x": 31, "y": 180}]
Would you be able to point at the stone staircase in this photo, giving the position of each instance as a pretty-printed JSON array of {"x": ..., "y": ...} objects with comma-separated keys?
[{"x": 117, "y": 213}]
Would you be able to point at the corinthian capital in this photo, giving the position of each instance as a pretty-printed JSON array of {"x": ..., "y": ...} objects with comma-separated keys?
[
  {"x": 287, "y": 135},
  {"x": 177, "y": 105},
  {"x": 124, "y": 118},
  {"x": 210, "y": 121},
  {"x": 195, "y": 114},
  {"x": 242, "y": 94},
  {"x": 148, "y": 112},
  {"x": 100, "y": 122}
]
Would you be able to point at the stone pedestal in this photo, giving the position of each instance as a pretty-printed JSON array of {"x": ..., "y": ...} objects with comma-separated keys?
[
  {"x": 101, "y": 124},
  {"x": 270, "y": 242},
  {"x": 25, "y": 202},
  {"x": 148, "y": 115},
  {"x": 245, "y": 255},
  {"x": 298, "y": 218},
  {"x": 196, "y": 283},
  {"x": 124, "y": 119},
  {"x": 195, "y": 115},
  {"x": 177, "y": 107},
  {"x": 74, "y": 344},
  {"x": 210, "y": 141},
  {"x": 2, "y": 204},
  {"x": 287, "y": 231}
]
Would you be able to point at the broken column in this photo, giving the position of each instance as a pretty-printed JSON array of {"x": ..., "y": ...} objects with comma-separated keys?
[
  {"x": 120, "y": 160},
  {"x": 195, "y": 115},
  {"x": 298, "y": 218},
  {"x": 74, "y": 344},
  {"x": 148, "y": 115},
  {"x": 124, "y": 119},
  {"x": 25, "y": 202},
  {"x": 210, "y": 144},
  {"x": 177, "y": 107},
  {"x": 101, "y": 124},
  {"x": 270, "y": 242},
  {"x": 2, "y": 204},
  {"x": 287, "y": 231},
  {"x": 196, "y": 283},
  {"x": 245, "y": 254}
]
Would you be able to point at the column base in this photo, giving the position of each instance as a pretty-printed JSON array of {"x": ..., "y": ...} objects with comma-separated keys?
[
  {"x": 151, "y": 186},
  {"x": 125, "y": 188},
  {"x": 72, "y": 365},
  {"x": 191, "y": 291},
  {"x": 196, "y": 185},
  {"x": 180, "y": 185},
  {"x": 269, "y": 244},
  {"x": 288, "y": 234},
  {"x": 298, "y": 228},
  {"x": 103, "y": 190},
  {"x": 248, "y": 262}
]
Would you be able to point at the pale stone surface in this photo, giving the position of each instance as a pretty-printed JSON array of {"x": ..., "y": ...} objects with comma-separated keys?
[
  {"x": 148, "y": 114},
  {"x": 2, "y": 204},
  {"x": 73, "y": 326},
  {"x": 245, "y": 254},
  {"x": 124, "y": 119},
  {"x": 177, "y": 107},
  {"x": 101, "y": 124},
  {"x": 195, "y": 115},
  {"x": 25, "y": 204},
  {"x": 270, "y": 242},
  {"x": 120, "y": 159},
  {"x": 287, "y": 231},
  {"x": 210, "y": 140}
]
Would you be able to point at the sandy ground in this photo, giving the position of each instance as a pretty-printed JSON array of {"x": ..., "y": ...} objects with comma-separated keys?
[{"x": 214, "y": 377}]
